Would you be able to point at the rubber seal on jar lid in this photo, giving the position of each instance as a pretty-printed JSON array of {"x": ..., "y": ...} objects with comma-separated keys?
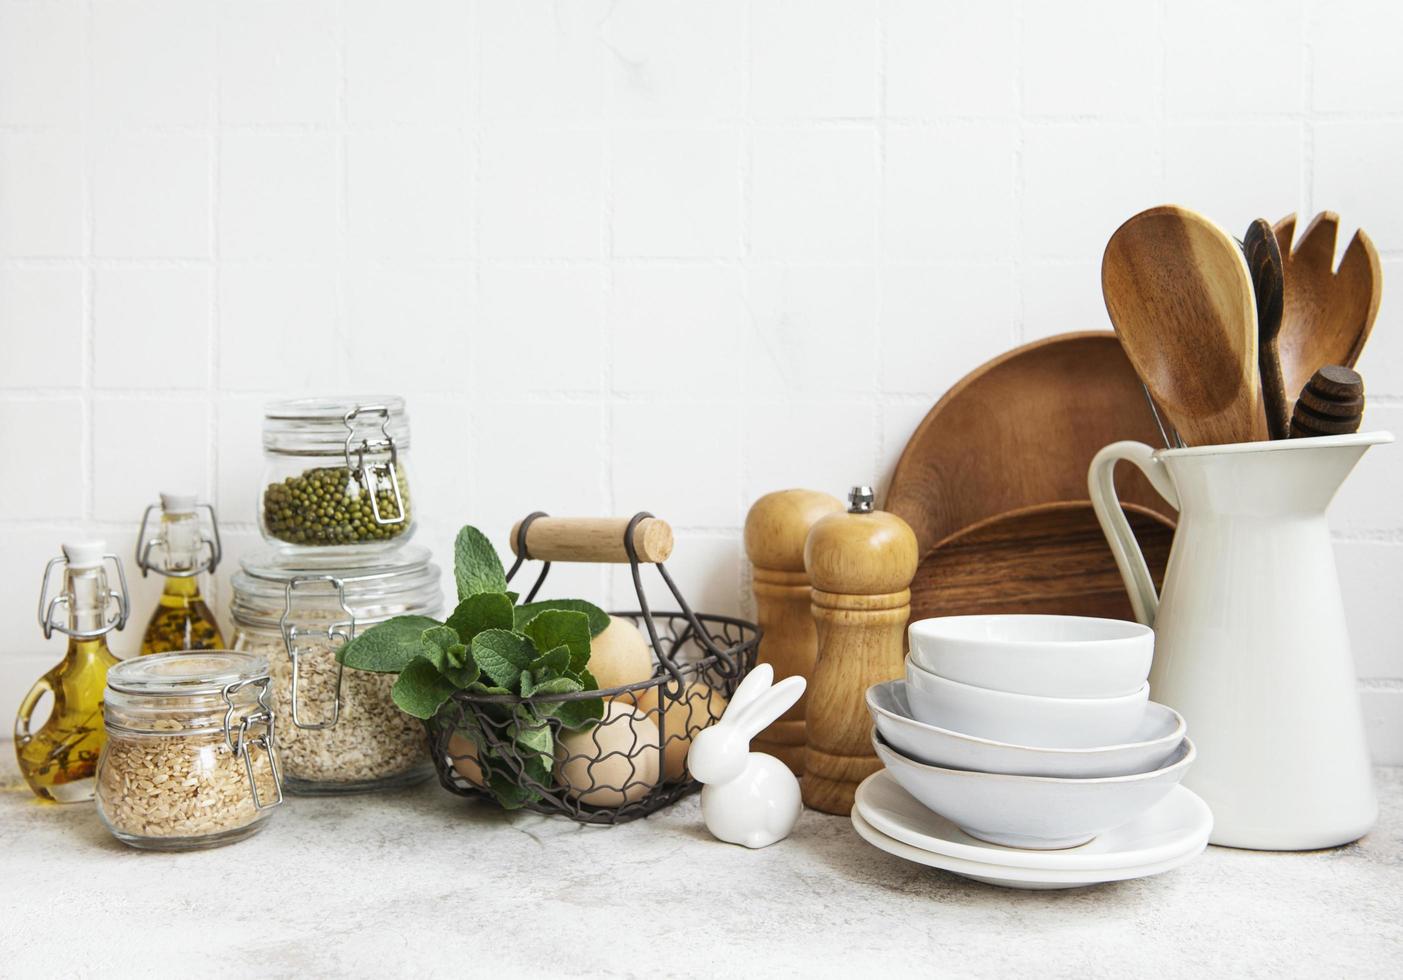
[
  {"x": 185, "y": 672},
  {"x": 84, "y": 554},
  {"x": 178, "y": 503}
]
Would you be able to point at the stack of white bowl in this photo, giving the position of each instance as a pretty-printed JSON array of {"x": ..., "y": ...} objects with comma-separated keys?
[{"x": 1030, "y": 732}]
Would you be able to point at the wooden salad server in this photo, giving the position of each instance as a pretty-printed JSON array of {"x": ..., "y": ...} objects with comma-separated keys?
[{"x": 1328, "y": 312}]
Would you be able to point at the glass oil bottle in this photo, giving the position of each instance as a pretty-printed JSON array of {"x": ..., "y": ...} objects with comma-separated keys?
[
  {"x": 59, "y": 761},
  {"x": 180, "y": 550}
]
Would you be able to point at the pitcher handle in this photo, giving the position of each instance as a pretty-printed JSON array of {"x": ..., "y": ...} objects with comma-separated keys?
[
  {"x": 1129, "y": 558},
  {"x": 26, "y": 710}
]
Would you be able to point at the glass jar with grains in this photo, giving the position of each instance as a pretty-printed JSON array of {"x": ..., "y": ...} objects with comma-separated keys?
[
  {"x": 190, "y": 759},
  {"x": 336, "y": 474},
  {"x": 338, "y": 729}
]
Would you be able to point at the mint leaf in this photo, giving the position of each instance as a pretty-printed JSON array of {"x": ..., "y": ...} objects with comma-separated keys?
[
  {"x": 598, "y": 618},
  {"x": 577, "y": 714},
  {"x": 555, "y": 685},
  {"x": 527, "y": 685},
  {"x": 482, "y": 611},
  {"x": 444, "y": 651},
  {"x": 551, "y": 663},
  {"x": 388, "y": 647},
  {"x": 436, "y": 642},
  {"x": 503, "y": 655},
  {"x": 561, "y": 627},
  {"x": 476, "y": 566},
  {"x": 421, "y": 690},
  {"x": 533, "y": 736}
]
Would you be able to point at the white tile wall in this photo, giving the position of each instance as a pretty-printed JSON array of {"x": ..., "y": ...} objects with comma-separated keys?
[{"x": 643, "y": 253}]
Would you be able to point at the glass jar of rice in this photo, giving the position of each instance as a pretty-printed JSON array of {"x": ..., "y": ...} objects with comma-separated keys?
[
  {"x": 190, "y": 759},
  {"x": 338, "y": 729}
]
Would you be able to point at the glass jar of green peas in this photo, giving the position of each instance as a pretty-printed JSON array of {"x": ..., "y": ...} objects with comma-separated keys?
[{"x": 336, "y": 475}]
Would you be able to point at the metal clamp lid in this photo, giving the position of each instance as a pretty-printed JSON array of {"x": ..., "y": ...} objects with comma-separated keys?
[
  {"x": 49, "y": 608},
  {"x": 242, "y": 743},
  {"x": 144, "y": 548},
  {"x": 372, "y": 476},
  {"x": 342, "y": 630}
]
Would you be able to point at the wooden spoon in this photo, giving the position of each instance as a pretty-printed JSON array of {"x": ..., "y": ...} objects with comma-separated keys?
[
  {"x": 1180, "y": 296},
  {"x": 1264, "y": 263},
  {"x": 1328, "y": 313}
]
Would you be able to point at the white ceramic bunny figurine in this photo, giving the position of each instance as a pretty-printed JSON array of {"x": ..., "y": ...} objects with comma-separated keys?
[{"x": 749, "y": 798}]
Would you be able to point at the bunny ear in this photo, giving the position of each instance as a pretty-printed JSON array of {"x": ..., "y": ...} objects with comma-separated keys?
[
  {"x": 756, "y": 716},
  {"x": 756, "y": 683}
]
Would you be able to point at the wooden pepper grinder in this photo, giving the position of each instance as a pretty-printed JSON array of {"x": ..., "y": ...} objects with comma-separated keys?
[
  {"x": 775, "y": 531},
  {"x": 861, "y": 564}
]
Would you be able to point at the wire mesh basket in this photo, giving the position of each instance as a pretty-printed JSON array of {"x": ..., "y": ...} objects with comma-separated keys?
[{"x": 633, "y": 761}]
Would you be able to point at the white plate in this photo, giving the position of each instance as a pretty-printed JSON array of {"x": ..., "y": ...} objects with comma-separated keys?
[
  {"x": 1177, "y": 825},
  {"x": 993, "y": 874}
]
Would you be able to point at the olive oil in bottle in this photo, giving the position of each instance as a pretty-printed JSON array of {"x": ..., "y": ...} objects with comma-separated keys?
[
  {"x": 59, "y": 761},
  {"x": 180, "y": 550}
]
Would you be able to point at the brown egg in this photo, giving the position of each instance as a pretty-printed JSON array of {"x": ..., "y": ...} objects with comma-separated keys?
[
  {"x": 613, "y": 763},
  {"x": 463, "y": 753},
  {"x": 699, "y": 707},
  {"x": 620, "y": 655}
]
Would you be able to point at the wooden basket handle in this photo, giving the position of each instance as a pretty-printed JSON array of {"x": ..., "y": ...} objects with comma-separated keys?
[{"x": 593, "y": 539}]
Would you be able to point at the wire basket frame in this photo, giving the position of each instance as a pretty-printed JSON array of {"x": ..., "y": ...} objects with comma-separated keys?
[{"x": 633, "y": 761}]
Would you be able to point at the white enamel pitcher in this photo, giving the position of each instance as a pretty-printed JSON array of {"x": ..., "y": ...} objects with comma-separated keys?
[{"x": 1250, "y": 639}]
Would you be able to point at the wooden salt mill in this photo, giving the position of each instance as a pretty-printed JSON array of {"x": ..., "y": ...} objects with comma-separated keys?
[
  {"x": 861, "y": 564},
  {"x": 775, "y": 530}
]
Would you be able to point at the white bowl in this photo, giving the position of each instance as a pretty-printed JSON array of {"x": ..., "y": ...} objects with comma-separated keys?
[
  {"x": 1046, "y": 656},
  {"x": 1160, "y": 732},
  {"x": 1037, "y": 812},
  {"x": 1023, "y": 719}
]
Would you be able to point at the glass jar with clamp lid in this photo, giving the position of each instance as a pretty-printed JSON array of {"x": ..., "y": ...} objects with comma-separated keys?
[
  {"x": 339, "y": 730},
  {"x": 191, "y": 758},
  {"x": 336, "y": 474}
]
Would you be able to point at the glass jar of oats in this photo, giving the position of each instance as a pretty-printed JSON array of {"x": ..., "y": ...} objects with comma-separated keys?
[
  {"x": 190, "y": 759},
  {"x": 338, "y": 728}
]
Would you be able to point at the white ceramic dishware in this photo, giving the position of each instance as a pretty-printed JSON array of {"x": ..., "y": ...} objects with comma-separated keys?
[
  {"x": 1251, "y": 645},
  {"x": 1149, "y": 747},
  {"x": 1046, "y": 656},
  {"x": 1165, "y": 836},
  {"x": 1037, "y": 812},
  {"x": 1023, "y": 719}
]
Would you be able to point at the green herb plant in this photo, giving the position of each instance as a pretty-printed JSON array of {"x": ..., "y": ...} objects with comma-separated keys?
[{"x": 491, "y": 645}]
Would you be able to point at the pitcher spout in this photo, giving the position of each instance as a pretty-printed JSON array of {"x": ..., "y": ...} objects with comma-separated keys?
[{"x": 1284, "y": 476}]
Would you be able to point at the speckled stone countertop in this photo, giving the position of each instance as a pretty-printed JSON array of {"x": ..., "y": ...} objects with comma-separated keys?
[{"x": 421, "y": 882}]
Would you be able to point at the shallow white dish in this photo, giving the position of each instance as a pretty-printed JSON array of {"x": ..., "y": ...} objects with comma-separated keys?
[
  {"x": 1160, "y": 732},
  {"x": 1038, "y": 812},
  {"x": 1046, "y": 656},
  {"x": 1180, "y": 822},
  {"x": 1023, "y": 719},
  {"x": 1027, "y": 878}
]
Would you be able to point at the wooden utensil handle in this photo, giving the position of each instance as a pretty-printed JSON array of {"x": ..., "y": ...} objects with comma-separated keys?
[{"x": 593, "y": 539}]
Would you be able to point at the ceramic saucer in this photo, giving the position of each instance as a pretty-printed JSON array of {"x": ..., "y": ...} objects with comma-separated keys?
[{"x": 1169, "y": 834}]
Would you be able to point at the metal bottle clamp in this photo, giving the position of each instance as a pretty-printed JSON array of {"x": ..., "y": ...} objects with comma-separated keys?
[
  {"x": 48, "y": 608},
  {"x": 344, "y": 630},
  {"x": 372, "y": 475},
  {"x": 145, "y": 547},
  {"x": 241, "y": 744}
]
